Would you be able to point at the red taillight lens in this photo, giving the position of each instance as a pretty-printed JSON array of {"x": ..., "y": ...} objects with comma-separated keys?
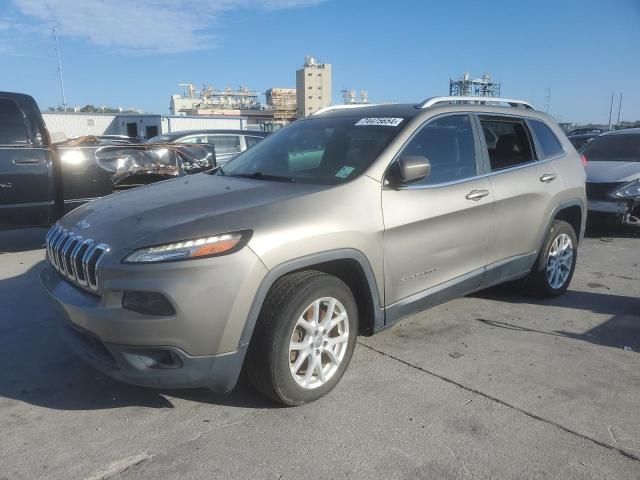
[{"x": 584, "y": 159}]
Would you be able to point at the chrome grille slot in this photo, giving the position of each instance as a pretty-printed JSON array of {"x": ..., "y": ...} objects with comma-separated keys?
[{"x": 76, "y": 258}]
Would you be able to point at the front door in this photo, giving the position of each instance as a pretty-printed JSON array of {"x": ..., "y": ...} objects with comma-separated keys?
[
  {"x": 26, "y": 191},
  {"x": 437, "y": 230}
]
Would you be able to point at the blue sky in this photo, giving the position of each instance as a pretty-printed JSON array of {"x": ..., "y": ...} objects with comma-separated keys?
[{"x": 127, "y": 53}]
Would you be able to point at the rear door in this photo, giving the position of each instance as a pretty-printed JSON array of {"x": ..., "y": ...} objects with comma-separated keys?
[
  {"x": 437, "y": 230},
  {"x": 26, "y": 189},
  {"x": 523, "y": 182}
]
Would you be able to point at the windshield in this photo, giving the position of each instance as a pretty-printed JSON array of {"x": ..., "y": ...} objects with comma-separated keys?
[
  {"x": 324, "y": 151},
  {"x": 614, "y": 148}
]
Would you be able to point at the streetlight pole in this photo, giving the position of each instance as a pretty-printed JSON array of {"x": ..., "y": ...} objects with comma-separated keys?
[{"x": 55, "y": 37}]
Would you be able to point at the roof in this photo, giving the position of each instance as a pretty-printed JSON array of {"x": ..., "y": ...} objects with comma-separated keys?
[
  {"x": 406, "y": 110},
  {"x": 410, "y": 110},
  {"x": 624, "y": 131},
  {"x": 584, "y": 135},
  {"x": 185, "y": 133}
]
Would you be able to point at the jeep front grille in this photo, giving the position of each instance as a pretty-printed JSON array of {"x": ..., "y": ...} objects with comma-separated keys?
[{"x": 75, "y": 258}]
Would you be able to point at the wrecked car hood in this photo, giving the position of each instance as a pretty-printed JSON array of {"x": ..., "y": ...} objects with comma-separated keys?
[
  {"x": 611, "y": 172},
  {"x": 129, "y": 165},
  {"x": 182, "y": 208}
]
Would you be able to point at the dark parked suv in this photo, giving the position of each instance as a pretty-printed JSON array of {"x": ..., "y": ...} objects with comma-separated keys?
[{"x": 336, "y": 225}]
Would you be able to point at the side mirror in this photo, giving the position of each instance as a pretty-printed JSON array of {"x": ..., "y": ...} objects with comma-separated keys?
[{"x": 411, "y": 168}]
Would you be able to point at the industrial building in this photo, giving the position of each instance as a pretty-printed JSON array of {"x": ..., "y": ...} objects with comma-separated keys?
[
  {"x": 477, "y": 87},
  {"x": 283, "y": 103},
  {"x": 240, "y": 102},
  {"x": 71, "y": 124},
  {"x": 313, "y": 86},
  {"x": 350, "y": 98},
  {"x": 209, "y": 98}
]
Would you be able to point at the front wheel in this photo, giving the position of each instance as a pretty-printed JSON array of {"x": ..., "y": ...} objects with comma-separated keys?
[
  {"x": 556, "y": 262},
  {"x": 304, "y": 338}
]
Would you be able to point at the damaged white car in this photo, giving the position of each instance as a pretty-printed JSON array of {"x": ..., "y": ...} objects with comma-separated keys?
[{"x": 613, "y": 176}]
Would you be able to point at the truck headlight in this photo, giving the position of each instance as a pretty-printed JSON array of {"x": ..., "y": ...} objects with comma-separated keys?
[
  {"x": 202, "y": 247},
  {"x": 628, "y": 190}
]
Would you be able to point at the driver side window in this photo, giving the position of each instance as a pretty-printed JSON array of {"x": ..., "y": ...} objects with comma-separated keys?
[{"x": 448, "y": 143}]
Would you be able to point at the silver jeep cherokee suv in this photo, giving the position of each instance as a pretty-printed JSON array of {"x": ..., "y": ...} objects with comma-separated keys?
[{"x": 337, "y": 225}]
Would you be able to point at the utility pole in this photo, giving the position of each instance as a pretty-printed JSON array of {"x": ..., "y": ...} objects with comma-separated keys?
[
  {"x": 619, "y": 109},
  {"x": 547, "y": 97},
  {"x": 611, "y": 110},
  {"x": 55, "y": 38}
]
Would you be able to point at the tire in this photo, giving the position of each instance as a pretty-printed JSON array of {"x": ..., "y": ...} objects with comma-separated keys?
[
  {"x": 542, "y": 281},
  {"x": 283, "y": 321}
]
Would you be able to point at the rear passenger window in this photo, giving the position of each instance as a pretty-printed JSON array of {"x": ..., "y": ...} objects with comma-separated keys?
[
  {"x": 449, "y": 146},
  {"x": 251, "y": 141},
  {"x": 508, "y": 142},
  {"x": 225, "y": 144},
  {"x": 12, "y": 126},
  {"x": 549, "y": 143}
]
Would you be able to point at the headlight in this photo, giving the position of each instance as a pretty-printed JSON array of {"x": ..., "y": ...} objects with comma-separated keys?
[
  {"x": 189, "y": 249},
  {"x": 628, "y": 190}
]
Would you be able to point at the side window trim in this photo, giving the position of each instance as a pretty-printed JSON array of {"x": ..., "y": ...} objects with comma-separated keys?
[
  {"x": 484, "y": 166},
  {"x": 538, "y": 146},
  {"x": 478, "y": 152}
]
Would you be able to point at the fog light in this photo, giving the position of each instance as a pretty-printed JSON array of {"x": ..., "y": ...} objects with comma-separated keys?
[
  {"x": 160, "y": 359},
  {"x": 148, "y": 303}
]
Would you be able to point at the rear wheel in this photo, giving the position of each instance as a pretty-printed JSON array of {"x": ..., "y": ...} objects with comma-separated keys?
[
  {"x": 304, "y": 338},
  {"x": 556, "y": 262}
]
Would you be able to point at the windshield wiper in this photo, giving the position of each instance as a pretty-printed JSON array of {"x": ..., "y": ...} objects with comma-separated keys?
[{"x": 264, "y": 176}]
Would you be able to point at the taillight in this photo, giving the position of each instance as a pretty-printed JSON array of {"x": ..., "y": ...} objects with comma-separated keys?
[{"x": 584, "y": 159}]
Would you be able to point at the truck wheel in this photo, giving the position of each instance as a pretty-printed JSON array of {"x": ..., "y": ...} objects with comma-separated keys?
[
  {"x": 304, "y": 338},
  {"x": 554, "y": 267}
]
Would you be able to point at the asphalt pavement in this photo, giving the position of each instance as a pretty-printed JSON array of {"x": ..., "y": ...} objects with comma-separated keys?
[{"x": 496, "y": 385}]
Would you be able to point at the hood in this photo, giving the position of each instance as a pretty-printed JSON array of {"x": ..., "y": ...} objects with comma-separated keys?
[
  {"x": 612, "y": 172},
  {"x": 179, "y": 209}
]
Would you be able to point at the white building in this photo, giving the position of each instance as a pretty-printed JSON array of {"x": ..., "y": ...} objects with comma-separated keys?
[
  {"x": 79, "y": 124},
  {"x": 313, "y": 87}
]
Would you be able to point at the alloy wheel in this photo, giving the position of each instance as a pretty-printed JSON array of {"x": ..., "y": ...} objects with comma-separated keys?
[
  {"x": 318, "y": 342},
  {"x": 559, "y": 261}
]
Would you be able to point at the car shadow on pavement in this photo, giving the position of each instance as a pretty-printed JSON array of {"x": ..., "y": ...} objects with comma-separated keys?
[
  {"x": 621, "y": 330},
  {"x": 610, "y": 232},
  {"x": 39, "y": 369}
]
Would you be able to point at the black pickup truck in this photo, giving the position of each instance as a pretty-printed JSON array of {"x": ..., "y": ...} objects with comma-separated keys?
[{"x": 40, "y": 181}]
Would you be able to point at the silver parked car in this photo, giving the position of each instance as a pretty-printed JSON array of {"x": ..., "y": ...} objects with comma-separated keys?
[
  {"x": 613, "y": 176},
  {"x": 336, "y": 225},
  {"x": 227, "y": 143}
]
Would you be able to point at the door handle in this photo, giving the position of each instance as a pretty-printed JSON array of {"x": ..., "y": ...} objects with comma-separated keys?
[
  {"x": 548, "y": 177},
  {"x": 28, "y": 161},
  {"x": 476, "y": 194}
]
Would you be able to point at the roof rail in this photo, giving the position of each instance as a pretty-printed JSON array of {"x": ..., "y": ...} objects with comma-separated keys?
[
  {"x": 430, "y": 102},
  {"x": 342, "y": 107}
]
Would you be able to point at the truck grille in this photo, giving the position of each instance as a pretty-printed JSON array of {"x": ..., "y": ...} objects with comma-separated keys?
[{"x": 75, "y": 258}]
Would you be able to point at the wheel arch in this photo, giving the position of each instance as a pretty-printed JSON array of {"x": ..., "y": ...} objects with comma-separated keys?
[
  {"x": 350, "y": 265},
  {"x": 563, "y": 211},
  {"x": 572, "y": 214}
]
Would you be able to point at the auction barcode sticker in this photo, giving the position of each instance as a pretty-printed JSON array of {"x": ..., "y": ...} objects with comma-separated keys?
[{"x": 380, "y": 122}]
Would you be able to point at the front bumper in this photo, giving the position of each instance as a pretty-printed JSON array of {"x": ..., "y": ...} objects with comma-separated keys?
[
  {"x": 132, "y": 364},
  {"x": 624, "y": 212},
  {"x": 607, "y": 207},
  {"x": 211, "y": 298}
]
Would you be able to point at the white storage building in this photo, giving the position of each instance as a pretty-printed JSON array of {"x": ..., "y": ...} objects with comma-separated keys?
[{"x": 73, "y": 124}]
